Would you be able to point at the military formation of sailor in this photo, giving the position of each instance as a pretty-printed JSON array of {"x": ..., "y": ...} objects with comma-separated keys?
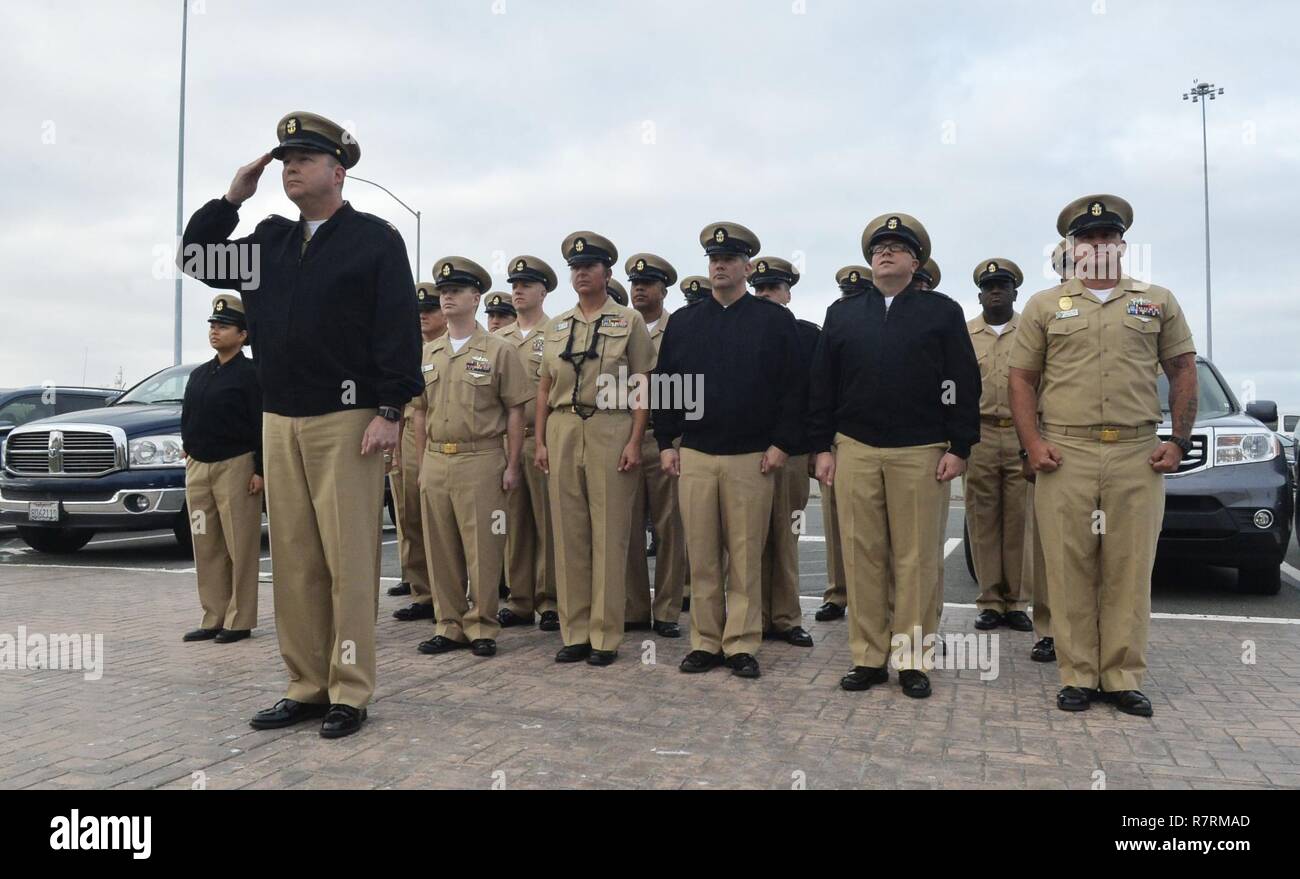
[{"x": 536, "y": 462}]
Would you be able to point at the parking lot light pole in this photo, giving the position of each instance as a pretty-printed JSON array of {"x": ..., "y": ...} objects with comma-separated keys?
[
  {"x": 413, "y": 212},
  {"x": 180, "y": 187},
  {"x": 1200, "y": 93}
]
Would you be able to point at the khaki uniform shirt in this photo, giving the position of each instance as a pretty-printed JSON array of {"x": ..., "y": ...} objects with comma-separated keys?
[
  {"x": 467, "y": 395},
  {"x": 530, "y": 351},
  {"x": 623, "y": 342},
  {"x": 1098, "y": 361},
  {"x": 993, "y": 352}
]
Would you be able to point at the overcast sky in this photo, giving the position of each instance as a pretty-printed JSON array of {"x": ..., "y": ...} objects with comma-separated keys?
[{"x": 511, "y": 124}]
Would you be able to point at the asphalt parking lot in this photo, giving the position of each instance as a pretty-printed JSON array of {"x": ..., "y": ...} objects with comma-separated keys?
[{"x": 1176, "y": 589}]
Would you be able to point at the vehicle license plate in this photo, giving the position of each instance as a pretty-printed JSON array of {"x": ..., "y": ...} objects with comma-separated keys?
[{"x": 43, "y": 511}]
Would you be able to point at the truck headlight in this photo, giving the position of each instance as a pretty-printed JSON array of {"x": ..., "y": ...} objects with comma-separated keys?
[
  {"x": 1245, "y": 447},
  {"x": 156, "y": 451}
]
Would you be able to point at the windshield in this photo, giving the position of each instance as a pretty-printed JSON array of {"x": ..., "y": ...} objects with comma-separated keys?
[
  {"x": 167, "y": 386},
  {"x": 1213, "y": 400}
]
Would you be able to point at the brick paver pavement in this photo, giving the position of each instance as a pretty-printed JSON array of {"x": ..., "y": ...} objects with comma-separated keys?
[{"x": 165, "y": 714}]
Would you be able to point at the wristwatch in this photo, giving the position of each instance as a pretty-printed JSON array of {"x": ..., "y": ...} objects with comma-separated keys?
[
  {"x": 1024, "y": 455},
  {"x": 390, "y": 413},
  {"x": 1182, "y": 442}
]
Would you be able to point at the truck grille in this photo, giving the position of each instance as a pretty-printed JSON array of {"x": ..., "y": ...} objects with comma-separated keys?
[{"x": 61, "y": 453}]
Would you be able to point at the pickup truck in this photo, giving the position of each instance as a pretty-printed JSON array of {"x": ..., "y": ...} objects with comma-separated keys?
[{"x": 118, "y": 468}]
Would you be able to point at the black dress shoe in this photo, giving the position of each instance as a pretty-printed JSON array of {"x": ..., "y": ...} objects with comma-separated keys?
[
  {"x": 483, "y": 647},
  {"x": 864, "y": 677},
  {"x": 440, "y": 644},
  {"x": 700, "y": 661},
  {"x": 503, "y": 591},
  {"x": 636, "y": 626},
  {"x": 1044, "y": 650},
  {"x": 667, "y": 630},
  {"x": 988, "y": 619},
  {"x": 402, "y": 588},
  {"x": 549, "y": 622},
  {"x": 1131, "y": 702},
  {"x": 915, "y": 683},
  {"x": 742, "y": 665},
  {"x": 796, "y": 636},
  {"x": 1018, "y": 620},
  {"x": 1073, "y": 699},
  {"x": 287, "y": 712},
  {"x": 573, "y": 653},
  {"x": 829, "y": 611},
  {"x": 228, "y": 636},
  {"x": 342, "y": 720},
  {"x": 201, "y": 635},
  {"x": 417, "y": 611},
  {"x": 507, "y": 618},
  {"x": 602, "y": 657}
]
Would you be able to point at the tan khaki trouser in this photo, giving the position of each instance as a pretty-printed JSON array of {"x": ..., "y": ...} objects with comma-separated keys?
[
  {"x": 227, "y": 539},
  {"x": 464, "y": 520},
  {"x": 530, "y": 544},
  {"x": 406, "y": 502},
  {"x": 659, "y": 491},
  {"x": 835, "y": 590},
  {"x": 1099, "y": 516},
  {"x": 324, "y": 502},
  {"x": 780, "y": 578},
  {"x": 591, "y": 516},
  {"x": 890, "y": 508},
  {"x": 725, "y": 502},
  {"x": 995, "y": 518},
  {"x": 1035, "y": 571}
]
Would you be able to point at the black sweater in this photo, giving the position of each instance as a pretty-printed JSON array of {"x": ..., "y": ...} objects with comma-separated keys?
[
  {"x": 908, "y": 377},
  {"x": 747, "y": 356},
  {"x": 334, "y": 328},
  {"x": 222, "y": 415}
]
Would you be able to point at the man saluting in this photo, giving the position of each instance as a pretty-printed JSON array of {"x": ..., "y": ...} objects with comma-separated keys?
[{"x": 337, "y": 348}]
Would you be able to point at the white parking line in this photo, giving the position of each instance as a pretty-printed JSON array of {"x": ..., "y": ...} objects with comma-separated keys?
[
  {"x": 805, "y": 600},
  {"x": 129, "y": 539}
]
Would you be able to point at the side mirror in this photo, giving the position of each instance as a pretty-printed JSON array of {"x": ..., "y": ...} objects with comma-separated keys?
[{"x": 1265, "y": 411}]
